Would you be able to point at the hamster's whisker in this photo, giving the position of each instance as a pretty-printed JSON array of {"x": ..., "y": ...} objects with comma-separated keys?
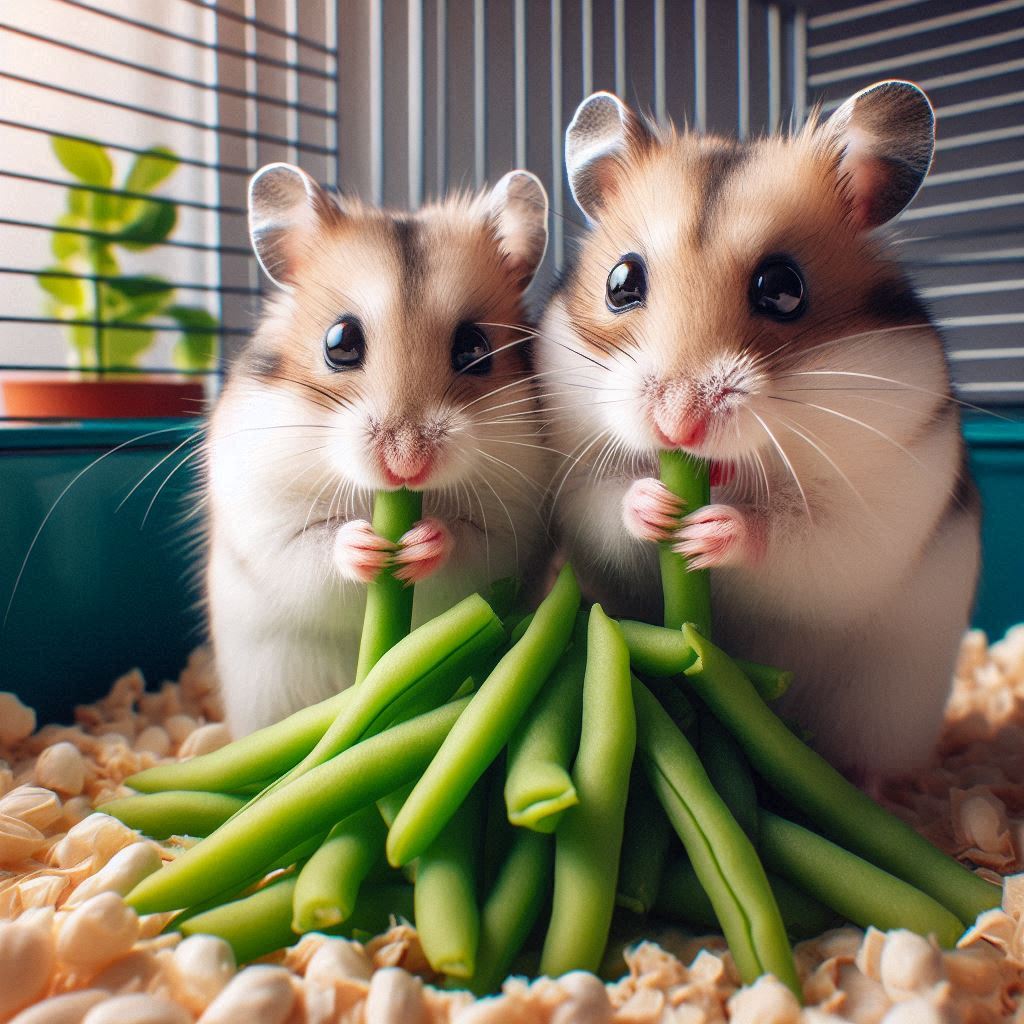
[
  {"x": 834, "y": 340},
  {"x": 788, "y": 424},
  {"x": 487, "y": 355},
  {"x": 565, "y": 476},
  {"x": 785, "y": 459},
  {"x": 900, "y": 384},
  {"x": 174, "y": 451},
  {"x": 860, "y": 423},
  {"x": 515, "y": 469},
  {"x": 163, "y": 483},
  {"x": 508, "y": 516}
]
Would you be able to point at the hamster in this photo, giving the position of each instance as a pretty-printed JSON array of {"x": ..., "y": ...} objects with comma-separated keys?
[
  {"x": 395, "y": 354},
  {"x": 736, "y": 301}
]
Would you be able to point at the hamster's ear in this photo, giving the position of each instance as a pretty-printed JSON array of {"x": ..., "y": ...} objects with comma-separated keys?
[
  {"x": 887, "y": 137},
  {"x": 285, "y": 207},
  {"x": 601, "y": 132},
  {"x": 519, "y": 211}
]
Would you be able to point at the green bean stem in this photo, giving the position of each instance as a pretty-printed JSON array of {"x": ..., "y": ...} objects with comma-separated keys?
[
  {"x": 438, "y": 653},
  {"x": 687, "y": 593},
  {"x": 682, "y": 898},
  {"x": 262, "y": 755},
  {"x": 315, "y": 802},
  {"x": 494, "y": 711},
  {"x": 856, "y": 889},
  {"x": 658, "y": 653},
  {"x": 729, "y": 772},
  {"x": 444, "y": 897},
  {"x": 388, "y": 613},
  {"x": 645, "y": 844},
  {"x": 811, "y": 784},
  {"x": 175, "y": 812},
  {"x": 538, "y": 787},
  {"x": 512, "y": 908},
  {"x": 721, "y": 853},
  {"x": 328, "y": 884},
  {"x": 589, "y": 839}
]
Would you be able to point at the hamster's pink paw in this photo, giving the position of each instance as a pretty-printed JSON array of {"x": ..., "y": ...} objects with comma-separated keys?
[
  {"x": 423, "y": 550},
  {"x": 359, "y": 553},
  {"x": 719, "y": 535},
  {"x": 650, "y": 511}
]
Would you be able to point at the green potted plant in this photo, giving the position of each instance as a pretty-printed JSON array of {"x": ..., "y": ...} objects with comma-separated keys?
[{"x": 113, "y": 317}]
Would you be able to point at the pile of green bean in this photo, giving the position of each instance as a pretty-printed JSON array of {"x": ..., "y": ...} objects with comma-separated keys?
[{"x": 521, "y": 786}]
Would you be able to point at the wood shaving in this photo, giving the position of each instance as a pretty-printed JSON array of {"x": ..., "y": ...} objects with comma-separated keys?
[{"x": 63, "y": 871}]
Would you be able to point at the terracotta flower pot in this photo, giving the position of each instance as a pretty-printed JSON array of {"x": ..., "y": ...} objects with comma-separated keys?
[{"x": 88, "y": 396}]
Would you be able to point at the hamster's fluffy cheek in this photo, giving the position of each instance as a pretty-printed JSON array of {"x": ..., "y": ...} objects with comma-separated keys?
[{"x": 605, "y": 393}]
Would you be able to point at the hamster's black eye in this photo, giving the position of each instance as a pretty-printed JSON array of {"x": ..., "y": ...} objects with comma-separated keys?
[
  {"x": 777, "y": 289},
  {"x": 344, "y": 344},
  {"x": 627, "y": 284},
  {"x": 470, "y": 350}
]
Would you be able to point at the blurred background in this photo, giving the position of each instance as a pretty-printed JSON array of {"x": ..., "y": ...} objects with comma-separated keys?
[{"x": 128, "y": 129}]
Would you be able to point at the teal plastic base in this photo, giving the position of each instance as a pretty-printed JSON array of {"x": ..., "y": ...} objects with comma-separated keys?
[{"x": 106, "y": 589}]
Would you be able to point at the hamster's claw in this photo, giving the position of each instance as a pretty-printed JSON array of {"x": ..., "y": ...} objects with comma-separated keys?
[
  {"x": 718, "y": 535},
  {"x": 650, "y": 511},
  {"x": 359, "y": 553},
  {"x": 423, "y": 550}
]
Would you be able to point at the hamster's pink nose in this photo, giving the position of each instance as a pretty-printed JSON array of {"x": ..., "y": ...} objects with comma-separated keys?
[
  {"x": 411, "y": 467},
  {"x": 678, "y": 430}
]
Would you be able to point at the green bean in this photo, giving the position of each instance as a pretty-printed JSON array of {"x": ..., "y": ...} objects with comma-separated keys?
[
  {"x": 437, "y": 654},
  {"x": 288, "y": 863},
  {"x": 538, "y": 787},
  {"x": 721, "y": 853},
  {"x": 262, "y": 755},
  {"x": 391, "y": 803},
  {"x": 658, "y": 652},
  {"x": 811, "y": 784},
  {"x": 254, "y": 925},
  {"x": 313, "y": 803},
  {"x": 444, "y": 897},
  {"x": 177, "y": 812},
  {"x": 511, "y": 909},
  {"x": 589, "y": 839},
  {"x": 328, "y": 884},
  {"x": 861, "y": 892},
  {"x": 682, "y": 898},
  {"x": 503, "y": 596},
  {"x": 770, "y": 683},
  {"x": 261, "y": 923},
  {"x": 494, "y": 711},
  {"x": 729, "y": 773},
  {"x": 646, "y": 837},
  {"x": 388, "y": 614},
  {"x": 687, "y": 593}
]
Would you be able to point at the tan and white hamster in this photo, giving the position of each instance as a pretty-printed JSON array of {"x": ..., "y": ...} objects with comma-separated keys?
[
  {"x": 735, "y": 301},
  {"x": 396, "y": 353}
]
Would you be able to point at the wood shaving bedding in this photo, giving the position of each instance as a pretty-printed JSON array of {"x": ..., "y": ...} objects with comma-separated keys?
[{"x": 71, "y": 951}]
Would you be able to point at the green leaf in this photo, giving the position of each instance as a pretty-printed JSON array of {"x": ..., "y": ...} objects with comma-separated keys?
[
  {"x": 64, "y": 245},
  {"x": 151, "y": 227},
  {"x": 123, "y": 346},
  {"x": 109, "y": 210},
  {"x": 80, "y": 202},
  {"x": 141, "y": 284},
  {"x": 69, "y": 291},
  {"x": 136, "y": 309},
  {"x": 197, "y": 348},
  {"x": 83, "y": 341},
  {"x": 87, "y": 161},
  {"x": 150, "y": 168}
]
